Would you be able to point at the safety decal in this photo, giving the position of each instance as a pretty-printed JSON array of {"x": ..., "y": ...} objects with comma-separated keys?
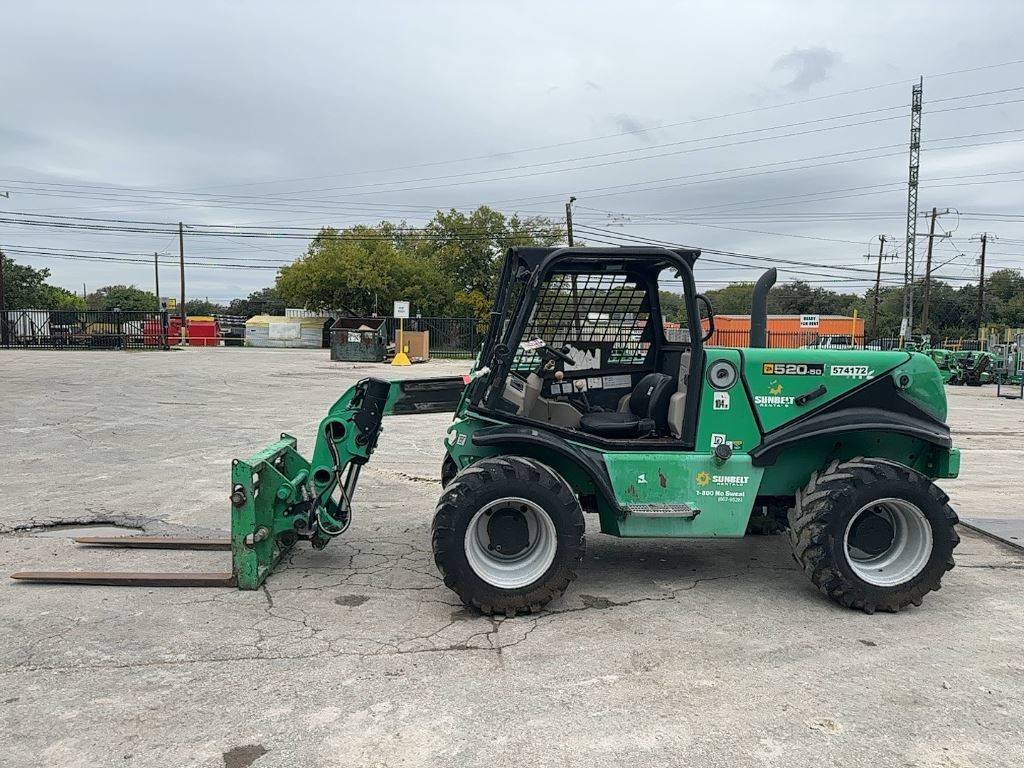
[
  {"x": 721, "y": 401},
  {"x": 620, "y": 381}
]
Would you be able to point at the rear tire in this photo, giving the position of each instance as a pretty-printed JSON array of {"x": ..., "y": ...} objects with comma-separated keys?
[
  {"x": 519, "y": 505},
  {"x": 873, "y": 534}
]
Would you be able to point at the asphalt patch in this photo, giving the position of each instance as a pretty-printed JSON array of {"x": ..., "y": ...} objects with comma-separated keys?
[{"x": 351, "y": 601}]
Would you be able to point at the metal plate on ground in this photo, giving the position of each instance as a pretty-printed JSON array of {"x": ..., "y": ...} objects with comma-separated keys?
[{"x": 1007, "y": 530}]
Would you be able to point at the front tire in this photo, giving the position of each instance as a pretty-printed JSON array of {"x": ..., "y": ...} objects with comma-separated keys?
[
  {"x": 873, "y": 534},
  {"x": 508, "y": 535},
  {"x": 449, "y": 469}
]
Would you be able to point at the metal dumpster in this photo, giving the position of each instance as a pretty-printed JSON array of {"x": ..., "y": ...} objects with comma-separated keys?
[{"x": 359, "y": 339}]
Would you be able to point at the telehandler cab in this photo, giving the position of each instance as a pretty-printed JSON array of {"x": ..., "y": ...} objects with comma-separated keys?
[{"x": 582, "y": 402}]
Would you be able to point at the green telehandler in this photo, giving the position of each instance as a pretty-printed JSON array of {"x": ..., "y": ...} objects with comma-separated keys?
[{"x": 580, "y": 403}]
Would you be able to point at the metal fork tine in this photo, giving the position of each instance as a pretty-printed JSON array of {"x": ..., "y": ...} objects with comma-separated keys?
[
  {"x": 154, "y": 542},
  {"x": 129, "y": 579}
]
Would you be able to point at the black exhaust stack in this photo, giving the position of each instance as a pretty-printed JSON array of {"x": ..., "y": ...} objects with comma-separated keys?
[{"x": 759, "y": 308}]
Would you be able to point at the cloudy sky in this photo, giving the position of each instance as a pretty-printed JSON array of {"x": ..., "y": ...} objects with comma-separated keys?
[{"x": 773, "y": 130}]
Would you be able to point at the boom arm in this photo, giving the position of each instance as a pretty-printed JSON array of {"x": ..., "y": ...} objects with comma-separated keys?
[{"x": 278, "y": 497}]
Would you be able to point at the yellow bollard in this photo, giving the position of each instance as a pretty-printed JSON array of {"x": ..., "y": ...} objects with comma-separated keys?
[{"x": 401, "y": 358}]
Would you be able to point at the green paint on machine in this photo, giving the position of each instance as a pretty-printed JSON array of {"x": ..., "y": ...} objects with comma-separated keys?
[
  {"x": 723, "y": 494},
  {"x": 780, "y": 378}
]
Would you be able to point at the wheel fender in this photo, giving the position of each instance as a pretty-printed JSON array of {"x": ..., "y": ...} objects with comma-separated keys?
[{"x": 544, "y": 447}]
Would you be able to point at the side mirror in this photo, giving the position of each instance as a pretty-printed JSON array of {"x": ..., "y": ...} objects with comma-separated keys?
[{"x": 702, "y": 299}]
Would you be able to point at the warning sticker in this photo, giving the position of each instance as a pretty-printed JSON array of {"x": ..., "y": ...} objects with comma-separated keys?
[
  {"x": 721, "y": 401},
  {"x": 620, "y": 381}
]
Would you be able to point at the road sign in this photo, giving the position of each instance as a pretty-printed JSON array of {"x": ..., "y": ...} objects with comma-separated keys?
[
  {"x": 810, "y": 321},
  {"x": 402, "y": 310}
]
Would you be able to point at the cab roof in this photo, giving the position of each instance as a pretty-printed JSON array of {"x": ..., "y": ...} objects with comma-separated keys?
[{"x": 601, "y": 259}]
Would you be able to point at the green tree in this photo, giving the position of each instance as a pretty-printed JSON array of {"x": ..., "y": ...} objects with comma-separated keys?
[
  {"x": 353, "y": 270},
  {"x": 448, "y": 268},
  {"x": 26, "y": 288},
  {"x": 201, "y": 307},
  {"x": 266, "y": 301},
  {"x": 55, "y": 297},
  {"x": 468, "y": 249},
  {"x": 22, "y": 284},
  {"x": 127, "y": 298},
  {"x": 798, "y": 298},
  {"x": 673, "y": 306},
  {"x": 733, "y": 299}
]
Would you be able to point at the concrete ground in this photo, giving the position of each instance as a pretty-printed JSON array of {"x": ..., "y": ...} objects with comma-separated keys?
[{"x": 662, "y": 653}]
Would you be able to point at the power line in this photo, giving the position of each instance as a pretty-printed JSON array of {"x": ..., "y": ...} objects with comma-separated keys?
[
  {"x": 633, "y": 131},
  {"x": 285, "y": 197},
  {"x": 125, "y": 260},
  {"x": 616, "y": 189}
]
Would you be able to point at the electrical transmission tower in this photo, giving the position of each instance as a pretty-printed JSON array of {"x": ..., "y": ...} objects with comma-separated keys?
[{"x": 910, "y": 242}]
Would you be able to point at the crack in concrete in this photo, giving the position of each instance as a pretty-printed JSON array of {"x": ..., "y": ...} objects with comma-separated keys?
[
  {"x": 406, "y": 476},
  {"x": 337, "y": 647},
  {"x": 153, "y": 525}
]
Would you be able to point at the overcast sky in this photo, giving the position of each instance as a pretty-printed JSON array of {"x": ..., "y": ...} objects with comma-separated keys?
[{"x": 308, "y": 114}]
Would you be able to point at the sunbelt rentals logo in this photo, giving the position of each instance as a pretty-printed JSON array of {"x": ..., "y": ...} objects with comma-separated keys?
[
  {"x": 705, "y": 478},
  {"x": 774, "y": 398}
]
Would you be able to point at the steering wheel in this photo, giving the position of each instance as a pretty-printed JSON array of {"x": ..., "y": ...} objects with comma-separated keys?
[{"x": 556, "y": 354}]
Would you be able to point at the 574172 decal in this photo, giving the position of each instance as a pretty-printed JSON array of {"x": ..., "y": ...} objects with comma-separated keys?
[{"x": 851, "y": 371}]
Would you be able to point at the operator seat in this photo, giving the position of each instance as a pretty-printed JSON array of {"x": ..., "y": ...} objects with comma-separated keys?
[{"x": 647, "y": 414}]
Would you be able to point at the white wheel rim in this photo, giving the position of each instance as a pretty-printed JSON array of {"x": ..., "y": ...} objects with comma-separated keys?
[
  {"x": 523, "y": 567},
  {"x": 905, "y": 556}
]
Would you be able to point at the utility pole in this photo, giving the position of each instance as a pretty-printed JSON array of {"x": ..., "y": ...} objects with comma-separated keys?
[
  {"x": 984, "y": 237},
  {"x": 156, "y": 274},
  {"x": 878, "y": 283},
  {"x": 3, "y": 304},
  {"x": 568, "y": 219},
  {"x": 915, "y": 168},
  {"x": 181, "y": 265},
  {"x": 928, "y": 263},
  {"x": 928, "y": 273},
  {"x": 4, "y": 336}
]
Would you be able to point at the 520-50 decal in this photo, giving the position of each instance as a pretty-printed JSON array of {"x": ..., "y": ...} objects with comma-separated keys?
[{"x": 793, "y": 369}]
